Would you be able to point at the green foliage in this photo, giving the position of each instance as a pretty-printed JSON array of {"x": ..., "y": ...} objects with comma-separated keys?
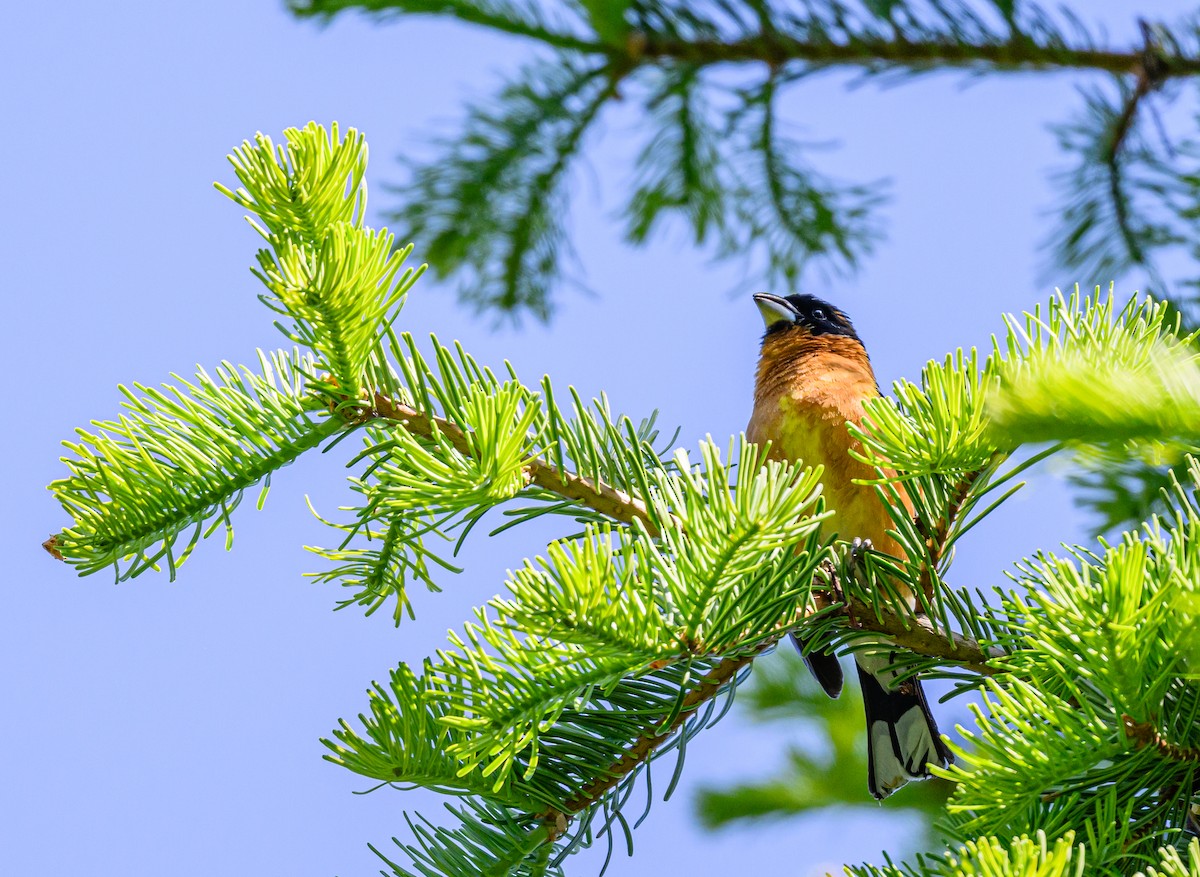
[
  {"x": 678, "y": 168},
  {"x": 988, "y": 857},
  {"x": 1118, "y": 609},
  {"x": 178, "y": 461},
  {"x": 621, "y": 642},
  {"x": 612, "y": 604},
  {"x": 716, "y": 156},
  {"x": 1119, "y": 195},
  {"x": 1175, "y": 865},
  {"x": 787, "y": 215},
  {"x": 1150, "y": 376},
  {"x": 334, "y": 279},
  {"x": 1030, "y": 857},
  {"x": 492, "y": 208},
  {"x": 938, "y": 426},
  {"x": 1122, "y": 486}
]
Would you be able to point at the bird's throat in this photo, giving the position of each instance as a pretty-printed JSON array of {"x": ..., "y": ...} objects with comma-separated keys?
[{"x": 830, "y": 371}]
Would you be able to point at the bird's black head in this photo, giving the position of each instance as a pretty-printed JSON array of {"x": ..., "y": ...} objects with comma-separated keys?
[{"x": 783, "y": 313}]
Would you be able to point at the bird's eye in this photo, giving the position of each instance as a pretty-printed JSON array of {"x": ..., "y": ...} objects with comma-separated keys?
[{"x": 818, "y": 314}]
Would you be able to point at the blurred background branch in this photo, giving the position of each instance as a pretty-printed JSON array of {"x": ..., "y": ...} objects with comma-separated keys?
[{"x": 714, "y": 156}]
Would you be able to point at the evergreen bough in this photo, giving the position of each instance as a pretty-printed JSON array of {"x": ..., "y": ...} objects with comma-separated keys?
[
  {"x": 629, "y": 636},
  {"x": 718, "y": 154}
]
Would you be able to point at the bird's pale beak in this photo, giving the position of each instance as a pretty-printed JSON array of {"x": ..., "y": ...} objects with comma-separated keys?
[{"x": 774, "y": 309}]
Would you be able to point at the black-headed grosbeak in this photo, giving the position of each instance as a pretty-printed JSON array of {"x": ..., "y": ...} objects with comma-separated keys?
[{"x": 813, "y": 377}]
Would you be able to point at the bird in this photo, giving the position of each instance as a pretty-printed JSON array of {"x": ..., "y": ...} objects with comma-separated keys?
[{"x": 813, "y": 377}]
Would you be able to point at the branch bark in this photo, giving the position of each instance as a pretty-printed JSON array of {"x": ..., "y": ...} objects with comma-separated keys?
[
  {"x": 776, "y": 50},
  {"x": 600, "y": 497},
  {"x": 711, "y": 684}
]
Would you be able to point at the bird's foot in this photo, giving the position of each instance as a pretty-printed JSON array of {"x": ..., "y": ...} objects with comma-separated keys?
[{"x": 858, "y": 550}]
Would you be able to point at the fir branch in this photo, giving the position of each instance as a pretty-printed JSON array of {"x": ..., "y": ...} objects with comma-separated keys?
[
  {"x": 490, "y": 839},
  {"x": 916, "y": 634},
  {"x": 501, "y": 187},
  {"x": 1149, "y": 75},
  {"x": 596, "y": 495},
  {"x": 874, "y": 55},
  {"x": 1023, "y": 856},
  {"x": 180, "y": 459},
  {"x": 1123, "y": 197},
  {"x": 710, "y": 686},
  {"x": 408, "y": 743},
  {"x": 517, "y": 19},
  {"x": 937, "y": 537},
  {"x": 338, "y": 282},
  {"x": 1046, "y": 388},
  {"x": 805, "y": 39},
  {"x": 913, "y": 633},
  {"x": 679, "y": 169},
  {"x": 503, "y": 183},
  {"x": 536, "y": 217}
]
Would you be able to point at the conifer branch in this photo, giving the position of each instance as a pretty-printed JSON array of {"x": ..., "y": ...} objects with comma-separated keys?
[
  {"x": 773, "y": 46},
  {"x": 1149, "y": 73},
  {"x": 711, "y": 685},
  {"x": 936, "y": 539},
  {"x": 777, "y": 50},
  {"x": 504, "y": 20},
  {"x": 916, "y": 633},
  {"x": 596, "y": 495},
  {"x": 1145, "y": 734}
]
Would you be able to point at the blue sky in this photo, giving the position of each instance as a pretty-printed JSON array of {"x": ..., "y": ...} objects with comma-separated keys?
[{"x": 157, "y": 727}]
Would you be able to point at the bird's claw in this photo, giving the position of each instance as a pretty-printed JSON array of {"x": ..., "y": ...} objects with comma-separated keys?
[{"x": 858, "y": 550}]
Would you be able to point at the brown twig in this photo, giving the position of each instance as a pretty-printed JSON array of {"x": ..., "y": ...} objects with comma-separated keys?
[
  {"x": 600, "y": 497},
  {"x": 711, "y": 684},
  {"x": 935, "y": 541},
  {"x": 917, "y": 634},
  {"x": 51, "y": 545},
  {"x": 1151, "y": 69},
  {"x": 1145, "y": 734}
]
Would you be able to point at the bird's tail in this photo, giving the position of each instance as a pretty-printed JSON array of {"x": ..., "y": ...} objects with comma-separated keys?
[
  {"x": 822, "y": 663},
  {"x": 902, "y": 738}
]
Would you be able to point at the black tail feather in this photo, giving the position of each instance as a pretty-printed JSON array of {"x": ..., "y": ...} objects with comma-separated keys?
[{"x": 823, "y": 665}]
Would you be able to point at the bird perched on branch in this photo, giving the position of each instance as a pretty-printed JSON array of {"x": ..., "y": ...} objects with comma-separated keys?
[{"x": 813, "y": 377}]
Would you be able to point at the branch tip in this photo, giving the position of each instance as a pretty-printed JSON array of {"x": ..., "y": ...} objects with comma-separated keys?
[{"x": 51, "y": 546}]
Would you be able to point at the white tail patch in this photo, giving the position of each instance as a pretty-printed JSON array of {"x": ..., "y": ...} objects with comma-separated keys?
[{"x": 902, "y": 738}]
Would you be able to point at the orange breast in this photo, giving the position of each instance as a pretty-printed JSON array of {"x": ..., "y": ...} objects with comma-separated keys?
[{"x": 807, "y": 389}]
